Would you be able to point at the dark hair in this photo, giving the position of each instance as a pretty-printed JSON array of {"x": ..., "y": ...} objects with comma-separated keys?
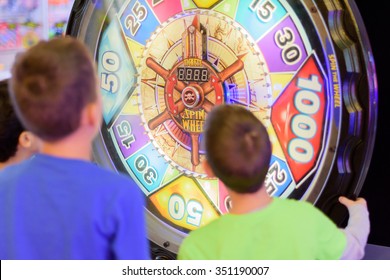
[
  {"x": 10, "y": 126},
  {"x": 50, "y": 85},
  {"x": 238, "y": 148}
]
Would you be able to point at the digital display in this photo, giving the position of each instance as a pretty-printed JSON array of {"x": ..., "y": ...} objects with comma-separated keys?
[{"x": 192, "y": 74}]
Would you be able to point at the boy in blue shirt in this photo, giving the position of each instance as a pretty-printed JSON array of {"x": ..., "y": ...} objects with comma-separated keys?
[{"x": 58, "y": 204}]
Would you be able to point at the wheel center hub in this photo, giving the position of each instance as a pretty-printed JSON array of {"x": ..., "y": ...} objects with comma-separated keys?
[{"x": 191, "y": 96}]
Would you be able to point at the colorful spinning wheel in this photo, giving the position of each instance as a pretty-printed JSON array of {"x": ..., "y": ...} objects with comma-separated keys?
[{"x": 304, "y": 68}]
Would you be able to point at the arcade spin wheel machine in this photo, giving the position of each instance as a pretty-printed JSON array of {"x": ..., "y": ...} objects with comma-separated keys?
[{"x": 304, "y": 67}]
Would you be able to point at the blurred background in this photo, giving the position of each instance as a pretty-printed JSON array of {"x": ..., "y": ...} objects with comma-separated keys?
[
  {"x": 376, "y": 188},
  {"x": 24, "y": 22}
]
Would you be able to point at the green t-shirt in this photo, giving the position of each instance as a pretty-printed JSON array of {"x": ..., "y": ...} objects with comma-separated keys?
[{"x": 285, "y": 230}]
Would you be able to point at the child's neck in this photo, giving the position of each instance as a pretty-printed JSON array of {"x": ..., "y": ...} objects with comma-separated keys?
[
  {"x": 251, "y": 202},
  {"x": 74, "y": 146}
]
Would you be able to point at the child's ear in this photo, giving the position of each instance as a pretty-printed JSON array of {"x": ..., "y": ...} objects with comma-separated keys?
[
  {"x": 92, "y": 115},
  {"x": 29, "y": 142},
  {"x": 26, "y": 139},
  {"x": 98, "y": 110},
  {"x": 207, "y": 168}
]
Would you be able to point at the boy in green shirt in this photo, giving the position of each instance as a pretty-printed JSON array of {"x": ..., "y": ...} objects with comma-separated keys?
[{"x": 259, "y": 226}]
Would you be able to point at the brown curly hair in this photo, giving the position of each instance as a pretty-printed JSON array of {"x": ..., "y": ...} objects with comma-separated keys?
[
  {"x": 238, "y": 148},
  {"x": 50, "y": 85}
]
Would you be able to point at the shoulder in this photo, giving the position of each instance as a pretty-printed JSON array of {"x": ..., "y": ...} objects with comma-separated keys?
[
  {"x": 300, "y": 210},
  {"x": 93, "y": 172},
  {"x": 114, "y": 180},
  {"x": 295, "y": 205},
  {"x": 107, "y": 174},
  {"x": 194, "y": 245},
  {"x": 13, "y": 171},
  {"x": 119, "y": 192},
  {"x": 210, "y": 231}
]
